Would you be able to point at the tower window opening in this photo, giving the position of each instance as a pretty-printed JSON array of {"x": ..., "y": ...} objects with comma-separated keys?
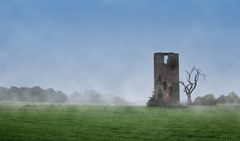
[
  {"x": 165, "y": 85},
  {"x": 160, "y": 78},
  {"x": 165, "y": 59}
]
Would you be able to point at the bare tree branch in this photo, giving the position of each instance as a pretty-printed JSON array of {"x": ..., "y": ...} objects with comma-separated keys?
[{"x": 192, "y": 78}]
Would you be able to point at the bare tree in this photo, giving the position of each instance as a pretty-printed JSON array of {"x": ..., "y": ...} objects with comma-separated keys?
[{"x": 192, "y": 77}]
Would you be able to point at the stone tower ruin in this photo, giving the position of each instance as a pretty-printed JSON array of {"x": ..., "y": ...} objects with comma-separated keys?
[{"x": 166, "y": 79}]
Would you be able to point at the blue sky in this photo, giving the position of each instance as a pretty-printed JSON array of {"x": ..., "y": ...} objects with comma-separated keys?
[{"x": 108, "y": 45}]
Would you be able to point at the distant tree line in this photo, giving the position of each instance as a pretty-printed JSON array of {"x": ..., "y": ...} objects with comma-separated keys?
[
  {"x": 34, "y": 94},
  {"x": 209, "y": 99},
  {"x": 93, "y": 97},
  {"x": 37, "y": 94}
]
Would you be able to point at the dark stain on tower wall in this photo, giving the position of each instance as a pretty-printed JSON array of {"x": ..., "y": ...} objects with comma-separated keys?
[{"x": 166, "y": 79}]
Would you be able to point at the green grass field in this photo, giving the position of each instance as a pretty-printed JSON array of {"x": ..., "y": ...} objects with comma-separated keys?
[{"x": 109, "y": 123}]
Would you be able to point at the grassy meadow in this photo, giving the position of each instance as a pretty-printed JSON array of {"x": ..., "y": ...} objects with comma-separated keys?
[{"x": 28, "y": 122}]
